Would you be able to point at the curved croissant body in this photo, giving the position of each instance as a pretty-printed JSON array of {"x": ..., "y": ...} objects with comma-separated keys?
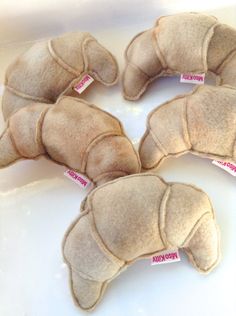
[
  {"x": 52, "y": 68},
  {"x": 135, "y": 217},
  {"x": 202, "y": 123},
  {"x": 72, "y": 133},
  {"x": 180, "y": 43}
]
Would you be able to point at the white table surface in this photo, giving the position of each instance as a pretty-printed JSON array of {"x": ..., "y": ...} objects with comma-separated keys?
[{"x": 37, "y": 203}]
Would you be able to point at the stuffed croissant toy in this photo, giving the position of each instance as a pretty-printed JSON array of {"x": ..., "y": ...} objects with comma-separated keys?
[
  {"x": 52, "y": 68},
  {"x": 180, "y": 43},
  {"x": 202, "y": 122},
  {"x": 73, "y": 133},
  {"x": 136, "y": 217}
]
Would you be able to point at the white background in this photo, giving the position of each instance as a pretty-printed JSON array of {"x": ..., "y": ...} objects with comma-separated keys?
[{"x": 37, "y": 203}]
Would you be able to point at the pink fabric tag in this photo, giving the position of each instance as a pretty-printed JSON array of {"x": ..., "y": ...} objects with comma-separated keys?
[
  {"x": 83, "y": 83},
  {"x": 167, "y": 256},
  {"x": 192, "y": 78},
  {"x": 227, "y": 166},
  {"x": 78, "y": 178}
]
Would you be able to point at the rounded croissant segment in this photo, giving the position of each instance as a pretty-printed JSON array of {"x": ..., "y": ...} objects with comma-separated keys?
[
  {"x": 201, "y": 122},
  {"x": 197, "y": 49},
  {"x": 72, "y": 133},
  {"x": 52, "y": 68},
  {"x": 135, "y": 217}
]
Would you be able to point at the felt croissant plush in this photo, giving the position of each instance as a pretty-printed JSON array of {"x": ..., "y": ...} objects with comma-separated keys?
[
  {"x": 52, "y": 68},
  {"x": 202, "y": 123},
  {"x": 73, "y": 133},
  {"x": 180, "y": 43},
  {"x": 136, "y": 217}
]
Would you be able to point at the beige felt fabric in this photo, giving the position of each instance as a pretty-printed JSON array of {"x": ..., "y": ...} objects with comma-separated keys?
[
  {"x": 73, "y": 133},
  {"x": 136, "y": 217},
  {"x": 202, "y": 122},
  {"x": 52, "y": 68},
  {"x": 180, "y": 43}
]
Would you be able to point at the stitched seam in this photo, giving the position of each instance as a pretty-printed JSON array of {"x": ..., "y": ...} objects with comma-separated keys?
[
  {"x": 86, "y": 62},
  {"x": 93, "y": 143},
  {"x": 185, "y": 125},
  {"x": 114, "y": 181},
  {"x": 101, "y": 244},
  {"x": 83, "y": 48},
  {"x": 193, "y": 258},
  {"x": 112, "y": 172},
  {"x": 85, "y": 58},
  {"x": 7, "y": 130},
  {"x": 83, "y": 275},
  {"x": 79, "y": 100},
  {"x": 44, "y": 146},
  {"x": 150, "y": 115},
  {"x": 139, "y": 69},
  {"x": 234, "y": 148},
  {"x": 192, "y": 186},
  {"x": 158, "y": 143},
  {"x": 227, "y": 59},
  {"x": 203, "y": 48},
  {"x": 119, "y": 179},
  {"x": 130, "y": 43},
  {"x": 197, "y": 265},
  {"x": 194, "y": 229},
  {"x": 101, "y": 292},
  {"x": 27, "y": 96},
  {"x": 83, "y": 168},
  {"x": 13, "y": 142},
  {"x": 107, "y": 113},
  {"x": 194, "y": 152},
  {"x": 211, "y": 154},
  {"x": 39, "y": 128},
  {"x": 191, "y": 149},
  {"x": 60, "y": 61},
  {"x": 159, "y": 53},
  {"x": 143, "y": 88},
  {"x": 4, "y": 132},
  {"x": 147, "y": 255},
  {"x": 162, "y": 216},
  {"x": 205, "y": 45}
]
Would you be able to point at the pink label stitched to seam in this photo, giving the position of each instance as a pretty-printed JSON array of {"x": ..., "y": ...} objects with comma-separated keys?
[
  {"x": 78, "y": 178},
  {"x": 192, "y": 78},
  {"x": 83, "y": 83},
  {"x": 167, "y": 256},
  {"x": 227, "y": 166}
]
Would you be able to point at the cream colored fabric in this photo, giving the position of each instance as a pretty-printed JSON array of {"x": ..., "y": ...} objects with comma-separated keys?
[
  {"x": 52, "y": 68},
  {"x": 73, "y": 133},
  {"x": 180, "y": 43},
  {"x": 202, "y": 123},
  {"x": 136, "y": 217}
]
